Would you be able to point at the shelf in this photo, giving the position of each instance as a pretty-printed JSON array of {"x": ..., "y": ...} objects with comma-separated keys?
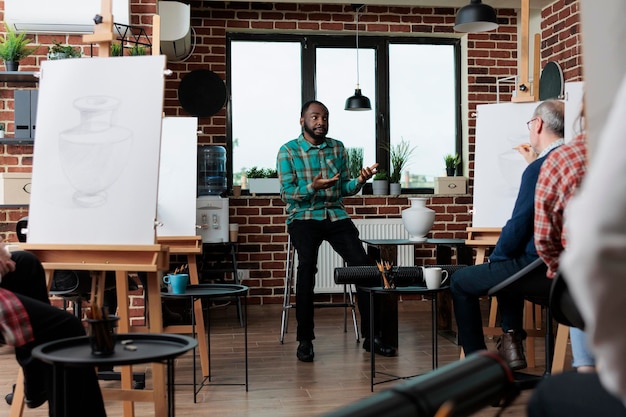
[
  {"x": 19, "y": 77},
  {"x": 13, "y": 141}
]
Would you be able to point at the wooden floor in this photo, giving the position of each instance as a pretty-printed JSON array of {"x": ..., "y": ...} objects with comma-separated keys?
[{"x": 280, "y": 385}]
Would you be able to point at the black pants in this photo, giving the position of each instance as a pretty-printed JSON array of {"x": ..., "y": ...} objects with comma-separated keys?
[
  {"x": 306, "y": 237},
  {"x": 574, "y": 394},
  {"x": 50, "y": 323}
]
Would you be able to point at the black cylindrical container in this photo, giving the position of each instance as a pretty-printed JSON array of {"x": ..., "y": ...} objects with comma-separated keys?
[{"x": 211, "y": 170}]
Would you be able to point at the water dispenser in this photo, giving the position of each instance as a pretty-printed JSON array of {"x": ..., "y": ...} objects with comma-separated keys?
[{"x": 211, "y": 170}]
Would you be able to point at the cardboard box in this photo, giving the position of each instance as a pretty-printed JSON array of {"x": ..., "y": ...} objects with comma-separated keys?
[
  {"x": 450, "y": 185},
  {"x": 15, "y": 188}
]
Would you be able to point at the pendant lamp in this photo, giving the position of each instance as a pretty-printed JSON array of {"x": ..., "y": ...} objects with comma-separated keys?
[
  {"x": 358, "y": 102},
  {"x": 476, "y": 17}
]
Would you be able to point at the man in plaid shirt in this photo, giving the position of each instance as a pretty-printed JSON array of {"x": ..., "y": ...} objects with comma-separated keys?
[
  {"x": 314, "y": 178},
  {"x": 26, "y": 320}
]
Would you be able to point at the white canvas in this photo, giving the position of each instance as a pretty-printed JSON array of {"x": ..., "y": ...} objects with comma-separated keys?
[
  {"x": 176, "y": 213},
  {"x": 498, "y": 167},
  {"x": 96, "y": 156}
]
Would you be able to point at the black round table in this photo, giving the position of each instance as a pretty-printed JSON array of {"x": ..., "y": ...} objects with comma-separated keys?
[
  {"x": 130, "y": 349},
  {"x": 211, "y": 291},
  {"x": 397, "y": 292}
]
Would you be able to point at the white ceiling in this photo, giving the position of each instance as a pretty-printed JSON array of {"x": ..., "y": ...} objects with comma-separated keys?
[{"x": 498, "y": 4}]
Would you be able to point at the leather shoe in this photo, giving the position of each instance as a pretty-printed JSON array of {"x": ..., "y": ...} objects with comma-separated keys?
[
  {"x": 379, "y": 347},
  {"x": 305, "y": 351},
  {"x": 511, "y": 349}
]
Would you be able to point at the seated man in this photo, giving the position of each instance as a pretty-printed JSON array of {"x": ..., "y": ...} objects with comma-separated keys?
[
  {"x": 27, "y": 320},
  {"x": 514, "y": 250}
]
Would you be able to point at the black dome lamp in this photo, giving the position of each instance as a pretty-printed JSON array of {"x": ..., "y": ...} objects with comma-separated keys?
[
  {"x": 358, "y": 102},
  {"x": 476, "y": 17}
]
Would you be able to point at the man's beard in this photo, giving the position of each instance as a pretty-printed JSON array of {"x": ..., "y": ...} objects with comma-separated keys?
[{"x": 311, "y": 132}]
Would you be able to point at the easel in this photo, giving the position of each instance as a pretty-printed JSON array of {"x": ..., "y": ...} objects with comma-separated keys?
[
  {"x": 190, "y": 246},
  {"x": 119, "y": 258},
  {"x": 523, "y": 92}
]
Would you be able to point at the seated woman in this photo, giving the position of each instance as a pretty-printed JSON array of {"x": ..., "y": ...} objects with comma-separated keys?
[{"x": 27, "y": 320}]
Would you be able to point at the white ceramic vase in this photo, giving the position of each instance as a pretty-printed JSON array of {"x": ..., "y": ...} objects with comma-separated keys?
[{"x": 418, "y": 219}]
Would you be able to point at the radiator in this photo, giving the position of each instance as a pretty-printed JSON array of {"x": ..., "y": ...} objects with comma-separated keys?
[{"x": 328, "y": 259}]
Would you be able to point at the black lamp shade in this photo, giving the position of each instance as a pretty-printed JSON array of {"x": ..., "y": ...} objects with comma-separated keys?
[
  {"x": 358, "y": 102},
  {"x": 476, "y": 17}
]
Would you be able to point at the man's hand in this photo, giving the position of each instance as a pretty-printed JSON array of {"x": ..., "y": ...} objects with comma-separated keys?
[
  {"x": 320, "y": 183},
  {"x": 527, "y": 152},
  {"x": 367, "y": 173}
]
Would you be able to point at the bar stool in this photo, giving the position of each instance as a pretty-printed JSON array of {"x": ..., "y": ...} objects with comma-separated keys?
[{"x": 348, "y": 299}]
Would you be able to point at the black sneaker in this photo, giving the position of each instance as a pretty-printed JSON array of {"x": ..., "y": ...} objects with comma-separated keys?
[{"x": 305, "y": 351}]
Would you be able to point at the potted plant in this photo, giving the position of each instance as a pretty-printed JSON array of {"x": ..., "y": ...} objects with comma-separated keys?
[
  {"x": 451, "y": 162},
  {"x": 60, "y": 51},
  {"x": 117, "y": 49},
  {"x": 399, "y": 155},
  {"x": 355, "y": 161},
  {"x": 138, "y": 50},
  {"x": 14, "y": 47},
  {"x": 262, "y": 180},
  {"x": 380, "y": 186}
]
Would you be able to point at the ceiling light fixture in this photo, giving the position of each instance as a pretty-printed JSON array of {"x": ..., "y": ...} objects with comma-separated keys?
[
  {"x": 358, "y": 102},
  {"x": 476, "y": 17}
]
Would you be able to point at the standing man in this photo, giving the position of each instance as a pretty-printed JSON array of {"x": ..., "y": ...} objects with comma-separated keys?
[
  {"x": 514, "y": 250},
  {"x": 314, "y": 178}
]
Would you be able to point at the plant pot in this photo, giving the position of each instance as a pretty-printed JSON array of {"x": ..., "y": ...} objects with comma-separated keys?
[
  {"x": 1, "y": 134},
  {"x": 380, "y": 187},
  {"x": 395, "y": 188},
  {"x": 450, "y": 172},
  {"x": 11, "y": 65},
  {"x": 264, "y": 185},
  {"x": 418, "y": 219}
]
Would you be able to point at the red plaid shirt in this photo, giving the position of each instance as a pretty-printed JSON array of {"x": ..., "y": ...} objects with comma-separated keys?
[
  {"x": 560, "y": 175},
  {"x": 14, "y": 321}
]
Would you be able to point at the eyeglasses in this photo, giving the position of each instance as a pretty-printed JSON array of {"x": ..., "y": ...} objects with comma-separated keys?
[{"x": 529, "y": 122}]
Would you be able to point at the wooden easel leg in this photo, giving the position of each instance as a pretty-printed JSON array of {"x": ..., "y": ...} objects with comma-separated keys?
[
  {"x": 17, "y": 406},
  {"x": 156, "y": 326},
  {"x": 126, "y": 373},
  {"x": 197, "y": 306}
]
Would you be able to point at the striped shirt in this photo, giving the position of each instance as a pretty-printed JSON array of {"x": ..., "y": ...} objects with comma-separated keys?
[
  {"x": 14, "y": 321},
  {"x": 560, "y": 175},
  {"x": 298, "y": 163}
]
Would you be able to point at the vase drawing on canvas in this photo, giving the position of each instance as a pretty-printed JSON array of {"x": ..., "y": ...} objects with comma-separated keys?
[{"x": 94, "y": 153}]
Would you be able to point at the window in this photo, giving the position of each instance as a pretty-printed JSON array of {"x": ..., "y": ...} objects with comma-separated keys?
[{"x": 413, "y": 84}]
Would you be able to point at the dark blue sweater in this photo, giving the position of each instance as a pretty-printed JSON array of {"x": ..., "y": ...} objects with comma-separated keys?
[{"x": 517, "y": 236}]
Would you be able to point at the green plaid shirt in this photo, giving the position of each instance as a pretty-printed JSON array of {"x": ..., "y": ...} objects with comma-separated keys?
[{"x": 298, "y": 163}]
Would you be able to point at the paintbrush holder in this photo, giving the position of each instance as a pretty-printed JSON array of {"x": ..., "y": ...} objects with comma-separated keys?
[{"x": 102, "y": 335}]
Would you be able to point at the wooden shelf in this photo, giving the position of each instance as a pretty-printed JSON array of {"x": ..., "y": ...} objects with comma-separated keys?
[{"x": 18, "y": 76}]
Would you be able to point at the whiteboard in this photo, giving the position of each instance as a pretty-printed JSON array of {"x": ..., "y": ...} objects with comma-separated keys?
[
  {"x": 176, "y": 212},
  {"x": 498, "y": 167},
  {"x": 96, "y": 153}
]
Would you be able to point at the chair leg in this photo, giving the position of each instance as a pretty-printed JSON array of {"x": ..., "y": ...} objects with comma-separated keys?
[
  {"x": 549, "y": 340},
  {"x": 287, "y": 305},
  {"x": 17, "y": 404},
  {"x": 352, "y": 308},
  {"x": 560, "y": 349}
]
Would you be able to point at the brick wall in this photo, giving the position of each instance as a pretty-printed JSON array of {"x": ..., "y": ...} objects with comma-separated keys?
[{"x": 263, "y": 234}]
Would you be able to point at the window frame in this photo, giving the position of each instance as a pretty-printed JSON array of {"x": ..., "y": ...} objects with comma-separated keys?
[{"x": 309, "y": 43}]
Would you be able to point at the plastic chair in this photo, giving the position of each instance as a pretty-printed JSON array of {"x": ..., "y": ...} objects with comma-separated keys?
[{"x": 348, "y": 299}]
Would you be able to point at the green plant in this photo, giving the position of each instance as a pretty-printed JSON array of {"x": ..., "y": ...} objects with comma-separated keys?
[
  {"x": 60, "y": 51},
  {"x": 452, "y": 161},
  {"x": 381, "y": 175},
  {"x": 256, "y": 172},
  {"x": 2, "y": 127},
  {"x": 137, "y": 50},
  {"x": 355, "y": 161},
  {"x": 14, "y": 46},
  {"x": 117, "y": 49},
  {"x": 399, "y": 155}
]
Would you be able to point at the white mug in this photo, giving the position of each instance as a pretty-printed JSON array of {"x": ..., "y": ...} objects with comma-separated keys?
[{"x": 434, "y": 277}]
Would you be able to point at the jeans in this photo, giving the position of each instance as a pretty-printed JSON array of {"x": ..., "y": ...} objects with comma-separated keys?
[
  {"x": 306, "y": 237},
  {"x": 467, "y": 285},
  {"x": 581, "y": 353}
]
